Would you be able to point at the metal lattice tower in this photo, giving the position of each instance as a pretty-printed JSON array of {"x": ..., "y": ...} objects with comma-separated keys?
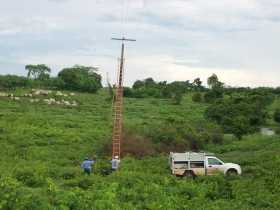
[{"x": 118, "y": 105}]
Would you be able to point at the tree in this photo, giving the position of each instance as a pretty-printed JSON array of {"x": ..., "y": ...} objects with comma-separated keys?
[
  {"x": 197, "y": 83},
  {"x": 216, "y": 89},
  {"x": 81, "y": 78},
  {"x": 213, "y": 81},
  {"x": 138, "y": 84},
  {"x": 39, "y": 71},
  {"x": 276, "y": 115},
  {"x": 149, "y": 82}
]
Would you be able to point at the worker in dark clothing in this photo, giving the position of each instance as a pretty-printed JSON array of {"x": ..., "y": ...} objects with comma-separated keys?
[{"x": 87, "y": 166}]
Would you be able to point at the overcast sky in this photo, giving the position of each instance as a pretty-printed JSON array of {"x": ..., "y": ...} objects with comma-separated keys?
[{"x": 239, "y": 40}]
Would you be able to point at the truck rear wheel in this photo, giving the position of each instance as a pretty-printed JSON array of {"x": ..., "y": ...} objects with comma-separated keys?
[{"x": 189, "y": 174}]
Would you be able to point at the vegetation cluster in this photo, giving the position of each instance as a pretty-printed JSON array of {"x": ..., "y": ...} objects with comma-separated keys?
[
  {"x": 79, "y": 78},
  {"x": 43, "y": 145}
]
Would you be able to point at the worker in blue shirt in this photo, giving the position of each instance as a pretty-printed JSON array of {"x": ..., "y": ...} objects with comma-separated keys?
[{"x": 87, "y": 165}]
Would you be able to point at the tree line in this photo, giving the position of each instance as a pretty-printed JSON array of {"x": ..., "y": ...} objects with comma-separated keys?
[
  {"x": 237, "y": 111},
  {"x": 77, "y": 78}
]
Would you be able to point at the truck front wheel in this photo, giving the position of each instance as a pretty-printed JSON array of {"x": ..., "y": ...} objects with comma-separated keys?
[{"x": 232, "y": 172}]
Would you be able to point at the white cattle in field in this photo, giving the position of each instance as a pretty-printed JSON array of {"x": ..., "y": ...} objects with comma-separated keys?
[
  {"x": 28, "y": 95},
  {"x": 41, "y": 92},
  {"x": 74, "y": 103},
  {"x": 59, "y": 93},
  {"x": 3, "y": 94}
]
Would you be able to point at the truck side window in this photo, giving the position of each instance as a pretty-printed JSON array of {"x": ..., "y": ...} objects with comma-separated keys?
[
  {"x": 180, "y": 164},
  {"x": 214, "y": 161},
  {"x": 197, "y": 164}
]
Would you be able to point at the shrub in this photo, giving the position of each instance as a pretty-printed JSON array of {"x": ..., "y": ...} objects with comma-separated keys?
[
  {"x": 133, "y": 144},
  {"x": 238, "y": 115},
  {"x": 197, "y": 97},
  {"x": 276, "y": 115},
  {"x": 213, "y": 94},
  {"x": 9, "y": 189},
  {"x": 29, "y": 177},
  {"x": 137, "y": 145},
  {"x": 277, "y": 130},
  {"x": 127, "y": 92}
]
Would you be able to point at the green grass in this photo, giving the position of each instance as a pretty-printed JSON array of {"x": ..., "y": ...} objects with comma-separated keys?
[{"x": 41, "y": 148}]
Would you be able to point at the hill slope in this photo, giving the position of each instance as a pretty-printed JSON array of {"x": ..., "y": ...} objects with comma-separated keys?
[{"x": 42, "y": 146}]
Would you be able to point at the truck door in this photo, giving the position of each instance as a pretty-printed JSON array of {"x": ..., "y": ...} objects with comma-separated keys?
[{"x": 213, "y": 166}]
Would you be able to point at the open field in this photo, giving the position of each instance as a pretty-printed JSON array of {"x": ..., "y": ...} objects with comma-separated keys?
[{"x": 42, "y": 145}]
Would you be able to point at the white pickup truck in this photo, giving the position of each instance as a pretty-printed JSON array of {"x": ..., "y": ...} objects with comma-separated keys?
[{"x": 200, "y": 164}]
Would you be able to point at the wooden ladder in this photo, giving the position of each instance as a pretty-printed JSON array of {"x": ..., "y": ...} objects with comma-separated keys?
[{"x": 117, "y": 123}]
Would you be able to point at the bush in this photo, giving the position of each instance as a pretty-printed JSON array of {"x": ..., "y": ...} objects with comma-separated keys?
[
  {"x": 213, "y": 94},
  {"x": 133, "y": 144},
  {"x": 29, "y": 177},
  {"x": 9, "y": 189},
  {"x": 179, "y": 136},
  {"x": 238, "y": 115},
  {"x": 197, "y": 97},
  {"x": 127, "y": 92},
  {"x": 276, "y": 115},
  {"x": 137, "y": 145}
]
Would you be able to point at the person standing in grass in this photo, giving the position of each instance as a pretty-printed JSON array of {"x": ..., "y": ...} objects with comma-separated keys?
[
  {"x": 87, "y": 166},
  {"x": 115, "y": 163}
]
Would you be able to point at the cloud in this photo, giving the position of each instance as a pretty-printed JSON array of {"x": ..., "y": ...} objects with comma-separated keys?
[{"x": 176, "y": 39}]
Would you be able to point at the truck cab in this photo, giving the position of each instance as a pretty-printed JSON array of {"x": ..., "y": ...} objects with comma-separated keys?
[{"x": 200, "y": 164}]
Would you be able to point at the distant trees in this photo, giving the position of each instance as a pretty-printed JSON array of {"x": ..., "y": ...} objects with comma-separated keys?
[
  {"x": 81, "y": 78},
  {"x": 13, "y": 81},
  {"x": 150, "y": 88},
  {"x": 38, "y": 72},
  {"x": 78, "y": 78}
]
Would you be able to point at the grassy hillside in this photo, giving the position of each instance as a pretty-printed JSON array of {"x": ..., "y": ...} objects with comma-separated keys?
[{"x": 42, "y": 145}]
